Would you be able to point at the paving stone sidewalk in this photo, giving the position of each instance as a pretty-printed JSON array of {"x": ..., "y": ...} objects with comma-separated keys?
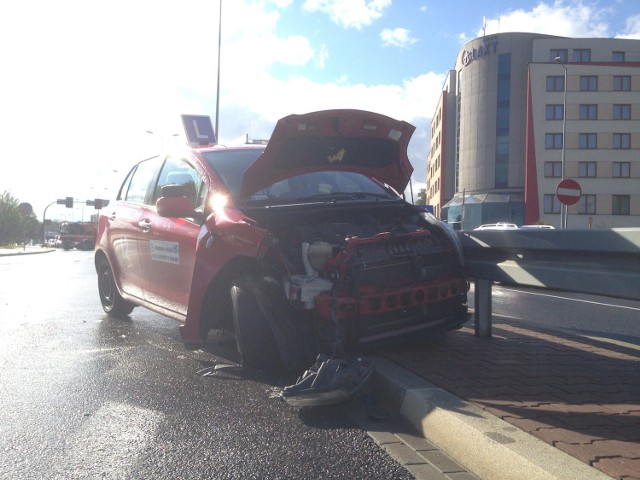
[{"x": 579, "y": 394}]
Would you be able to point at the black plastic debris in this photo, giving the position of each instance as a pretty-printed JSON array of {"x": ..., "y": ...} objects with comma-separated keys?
[
  {"x": 328, "y": 381},
  {"x": 214, "y": 369}
]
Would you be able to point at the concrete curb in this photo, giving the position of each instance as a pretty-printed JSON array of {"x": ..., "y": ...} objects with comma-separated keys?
[
  {"x": 484, "y": 444},
  {"x": 13, "y": 252}
]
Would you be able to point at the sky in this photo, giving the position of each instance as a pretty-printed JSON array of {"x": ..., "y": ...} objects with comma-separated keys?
[{"x": 89, "y": 87}]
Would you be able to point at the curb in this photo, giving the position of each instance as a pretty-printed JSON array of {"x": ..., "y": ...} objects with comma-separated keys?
[
  {"x": 11, "y": 253},
  {"x": 484, "y": 444}
]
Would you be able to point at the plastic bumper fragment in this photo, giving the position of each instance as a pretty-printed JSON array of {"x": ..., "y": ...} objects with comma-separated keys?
[{"x": 328, "y": 381}]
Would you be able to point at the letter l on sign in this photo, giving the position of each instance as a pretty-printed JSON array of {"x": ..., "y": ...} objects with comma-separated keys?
[{"x": 198, "y": 134}]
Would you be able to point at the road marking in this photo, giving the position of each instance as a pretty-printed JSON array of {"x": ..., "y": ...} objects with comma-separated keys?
[
  {"x": 626, "y": 307},
  {"x": 620, "y": 343}
]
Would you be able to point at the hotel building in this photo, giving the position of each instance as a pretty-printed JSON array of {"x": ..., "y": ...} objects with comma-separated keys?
[{"x": 521, "y": 112}]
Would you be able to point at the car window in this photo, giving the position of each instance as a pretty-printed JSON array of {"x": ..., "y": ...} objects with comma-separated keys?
[
  {"x": 230, "y": 165},
  {"x": 125, "y": 185},
  {"x": 141, "y": 181},
  {"x": 179, "y": 172}
]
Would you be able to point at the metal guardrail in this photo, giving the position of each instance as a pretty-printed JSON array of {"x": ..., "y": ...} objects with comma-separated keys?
[{"x": 599, "y": 262}]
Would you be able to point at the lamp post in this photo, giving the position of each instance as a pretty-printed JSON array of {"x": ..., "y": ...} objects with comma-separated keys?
[
  {"x": 563, "y": 207},
  {"x": 216, "y": 132},
  {"x": 162, "y": 137},
  {"x": 44, "y": 221}
]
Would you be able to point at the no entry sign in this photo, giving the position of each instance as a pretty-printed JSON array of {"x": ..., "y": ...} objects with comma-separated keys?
[{"x": 568, "y": 191}]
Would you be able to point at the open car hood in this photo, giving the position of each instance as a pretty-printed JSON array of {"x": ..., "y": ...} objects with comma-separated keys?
[{"x": 346, "y": 140}]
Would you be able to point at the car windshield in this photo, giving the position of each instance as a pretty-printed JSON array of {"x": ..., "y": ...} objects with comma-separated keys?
[
  {"x": 325, "y": 184},
  {"x": 231, "y": 164}
]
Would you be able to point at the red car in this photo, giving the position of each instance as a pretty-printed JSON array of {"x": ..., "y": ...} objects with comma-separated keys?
[{"x": 297, "y": 247}]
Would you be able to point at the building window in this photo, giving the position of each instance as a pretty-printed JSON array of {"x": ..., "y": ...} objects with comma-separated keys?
[
  {"x": 621, "y": 141},
  {"x": 551, "y": 203},
  {"x": 554, "y": 112},
  {"x": 588, "y": 140},
  {"x": 587, "y": 205},
  {"x": 561, "y": 53},
  {"x": 587, "y": 169},
  {"x": 555, "y": 83},
  {"x": 622, "y": 112},
  {"x": 553, "y": 140},
  {"x": 553, "y": 169},
  {"x": 618, "y": 57},
  {"x": 621, "y": 170},
  {"x": 581, "y": 55},
  {"x": 622, "y": 83},
  {"x": 621, "y": 205},
  {"x": 588, "y": 83},
  {"x": 588, "y": 112}
]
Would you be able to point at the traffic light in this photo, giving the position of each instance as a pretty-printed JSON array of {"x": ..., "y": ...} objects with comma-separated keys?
[
  {"x": 68, "y": 202},
  {"x": 100, "y": 203}
]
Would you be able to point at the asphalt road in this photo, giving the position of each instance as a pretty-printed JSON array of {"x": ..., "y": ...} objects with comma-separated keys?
[{"x": 86, "y": 396}]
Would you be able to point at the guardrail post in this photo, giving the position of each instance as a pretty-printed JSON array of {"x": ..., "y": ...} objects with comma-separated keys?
[{"x": 482, "y": 301}]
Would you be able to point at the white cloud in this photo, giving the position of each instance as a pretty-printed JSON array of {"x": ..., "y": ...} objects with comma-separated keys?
[
  {"x": 86, "y": 91},
  {"x": 349, "y": 13},
  {"x": 322, "y": 56},
  {"x": 632, "y": 28},
  {"x": 397, "y": 37},
  {"x": 572, "y": 18}
]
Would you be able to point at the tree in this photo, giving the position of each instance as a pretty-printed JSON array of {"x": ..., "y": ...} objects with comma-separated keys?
[
  {"x": 13, "y": 225},
  {"x": 10, "y": 224},
  {"x": 422, "y": 197}
]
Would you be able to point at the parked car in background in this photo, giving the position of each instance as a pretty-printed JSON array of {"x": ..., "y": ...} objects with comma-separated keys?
[
  {"x": 297, "y": 247},
  {"x": 543, "y": 227},
  {"x": 497, "y": 226}
]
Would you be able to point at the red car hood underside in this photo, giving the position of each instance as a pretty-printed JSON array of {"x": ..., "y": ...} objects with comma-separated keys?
[{"x": 346, "y": 140}]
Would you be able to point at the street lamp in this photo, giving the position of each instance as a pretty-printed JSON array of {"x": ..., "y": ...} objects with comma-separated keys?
[
  {"x": 563, "y": 207},
  {"x": 216, "y": 132},
  {"x": 162, "y": 137}
]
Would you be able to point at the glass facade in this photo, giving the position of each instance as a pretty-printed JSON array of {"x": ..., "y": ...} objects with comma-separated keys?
[{"x": 502, "y": 121}]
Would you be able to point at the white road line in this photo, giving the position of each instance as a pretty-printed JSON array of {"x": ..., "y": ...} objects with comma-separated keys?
[{"x": 626, "y": 307}]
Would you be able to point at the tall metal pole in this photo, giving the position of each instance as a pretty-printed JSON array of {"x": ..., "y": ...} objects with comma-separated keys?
[
  {"x": 563, "y": 208},
  {"x": 218, "y": 83},
  {"x": 44, "y": 221}
]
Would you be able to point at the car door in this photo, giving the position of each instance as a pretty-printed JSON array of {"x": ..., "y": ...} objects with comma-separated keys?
[
  {"x": 123, "y": 218},
  {"x": 167, "y": 253}
]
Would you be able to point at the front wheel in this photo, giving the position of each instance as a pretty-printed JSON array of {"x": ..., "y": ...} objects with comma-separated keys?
[
  {"x": 112, "y": 302},
  {"x": 254, "y": 338}
]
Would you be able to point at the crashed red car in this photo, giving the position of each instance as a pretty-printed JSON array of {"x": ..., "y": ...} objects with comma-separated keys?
[{"x": 297, "y": 247}]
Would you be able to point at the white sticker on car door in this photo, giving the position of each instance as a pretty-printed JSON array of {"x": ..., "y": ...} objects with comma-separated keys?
[{"x": 168, "y": 252}]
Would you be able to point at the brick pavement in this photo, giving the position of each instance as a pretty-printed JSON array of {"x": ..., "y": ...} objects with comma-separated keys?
[{"x": 579, "y": 394}]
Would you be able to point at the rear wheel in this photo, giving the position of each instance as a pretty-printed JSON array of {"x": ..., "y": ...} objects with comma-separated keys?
[{"x": 112, "y": 302}]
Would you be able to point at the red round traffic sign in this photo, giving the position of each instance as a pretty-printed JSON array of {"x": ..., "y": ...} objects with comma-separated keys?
[{"x": 568, "y": 191}]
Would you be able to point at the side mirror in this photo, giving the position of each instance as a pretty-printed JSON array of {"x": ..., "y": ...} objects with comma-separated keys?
[{"x": 174, "y": 207}]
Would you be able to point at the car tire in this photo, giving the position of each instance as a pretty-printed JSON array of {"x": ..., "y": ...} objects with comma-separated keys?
[
  {"x": 254, "y": 337},
  {"x": 112, "y": 302}
]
